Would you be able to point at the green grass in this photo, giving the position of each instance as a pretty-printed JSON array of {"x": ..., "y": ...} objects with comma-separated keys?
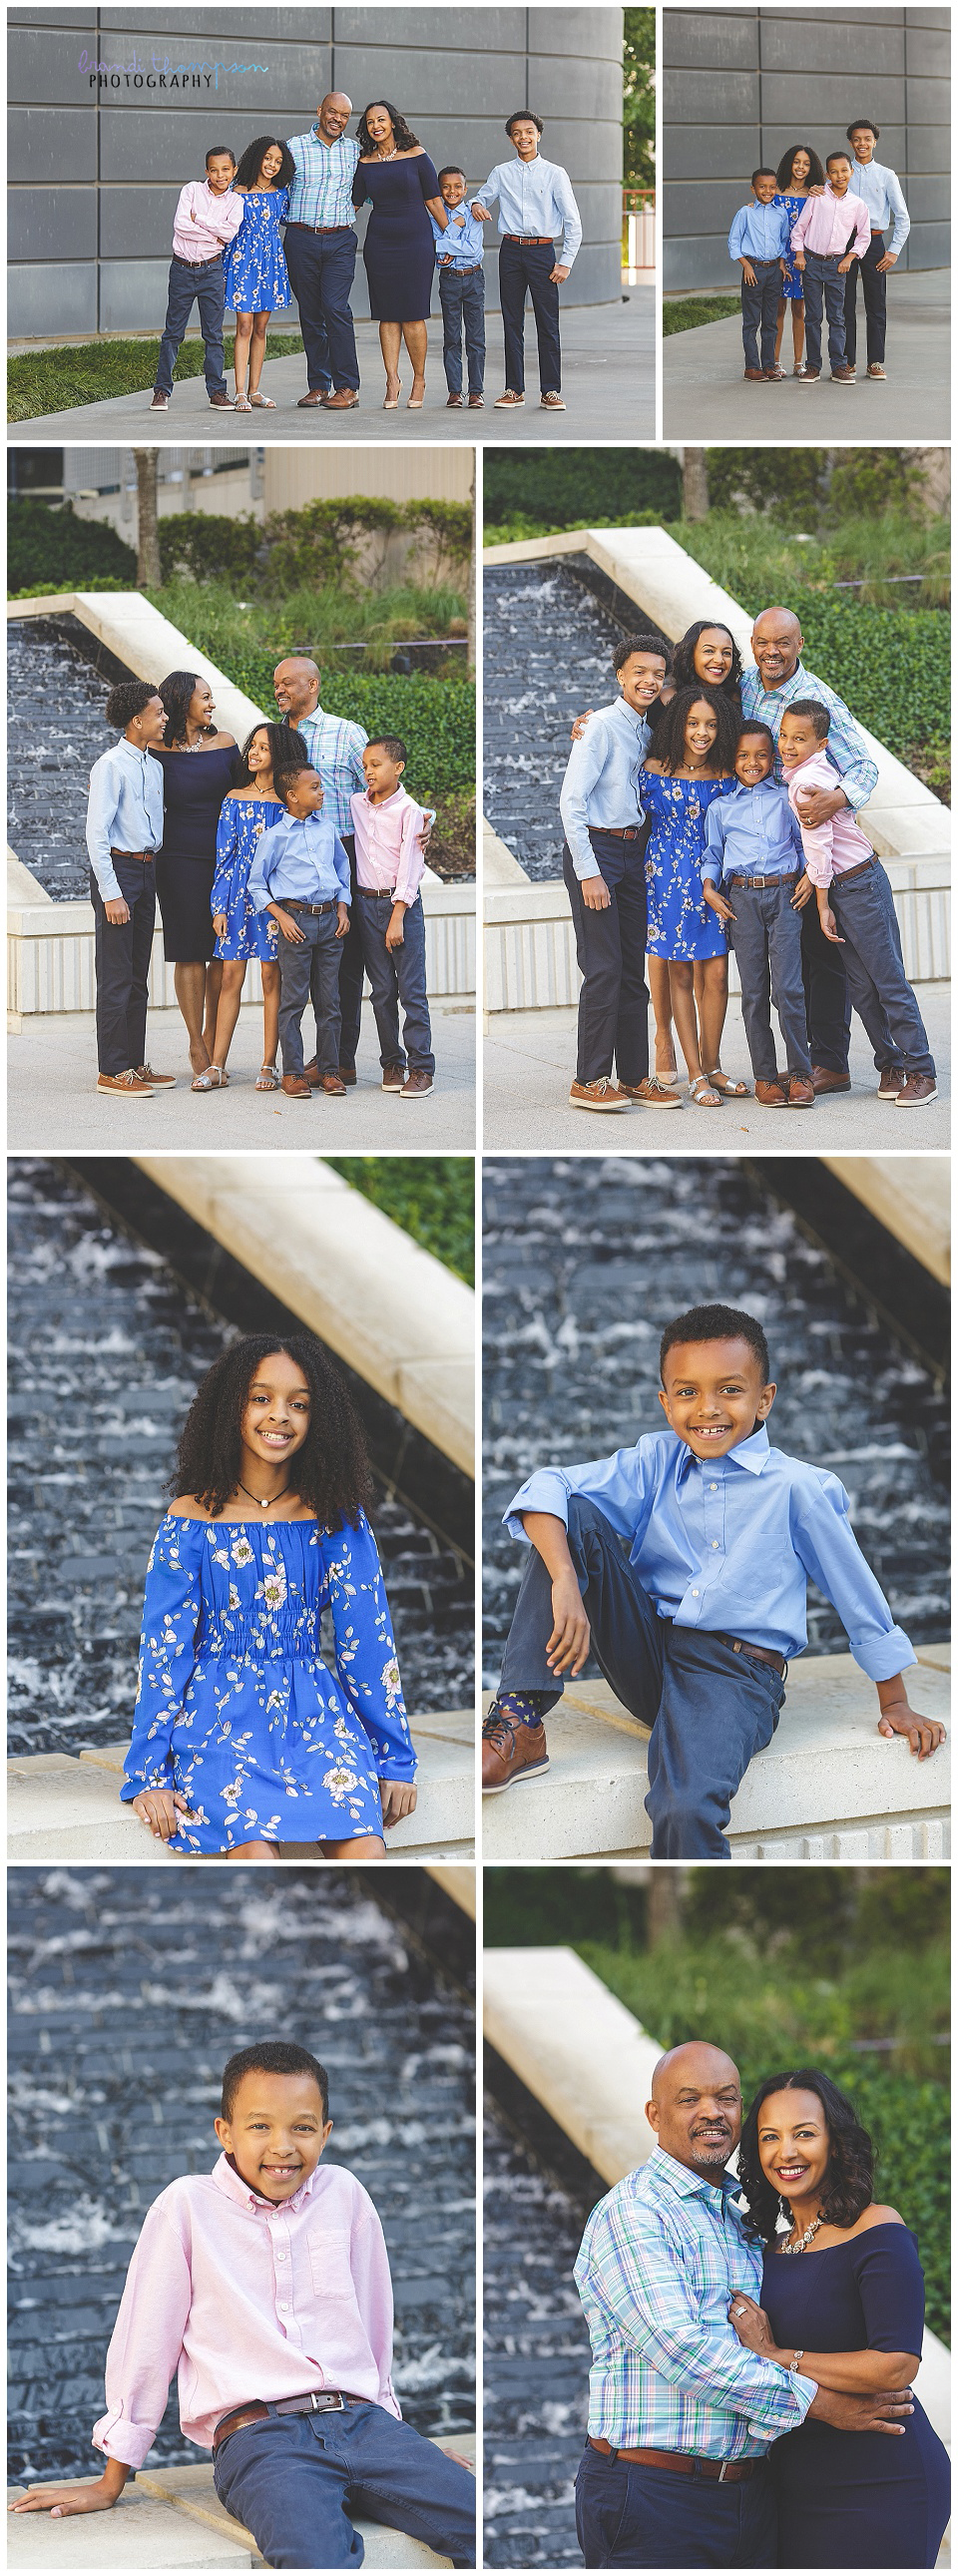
[
  {"x": 221, "y": 620},
  {"x": 432, "y": 1196},
  {"x": 688, "y": 312},
  {"x": 58, "y": 379}
]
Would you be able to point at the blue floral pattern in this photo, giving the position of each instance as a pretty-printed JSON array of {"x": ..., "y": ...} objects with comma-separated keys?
[
  {"x": 254, "y": 266},
  {"x": 235, "y": 1707},
  {"x": 793, "y": 288},
  {"x": 248, "y": 933},
  {"x": 680, "y": 922}
]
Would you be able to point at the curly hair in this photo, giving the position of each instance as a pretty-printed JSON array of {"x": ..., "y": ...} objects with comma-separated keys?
[
  {"x": 670, "y": 732},
  {"x": 403, "y": 136},
  {"x": 684, "y": 672},
  {"x": 251, "y": 162},
  {"x": 176, "y": 691},
  {"x": 287, "y": 752},
  {"x": 816, "y": 175},
  {"x": 126, "y": 700},
  {"x": 332, "y": 1467},
  {"x": 849, "y": 2178}
]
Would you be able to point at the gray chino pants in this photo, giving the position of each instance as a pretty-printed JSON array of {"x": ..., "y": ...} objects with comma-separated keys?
[
  {"x": 309, "y": 971},
  {"x": 766, "y": 936}
]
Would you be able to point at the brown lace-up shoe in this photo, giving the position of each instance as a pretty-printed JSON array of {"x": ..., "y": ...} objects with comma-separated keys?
[
  {"x": 801, "y": 1091},
  {"x": 891, "y": 1082},
  {"x": 919, "y": 1089},
  {"x": 597, "y": 1095},
  {"x": 825, "y": 1080},
  {"x": 510, "y": 1751},
  {"x": 771, "y": 1095}
]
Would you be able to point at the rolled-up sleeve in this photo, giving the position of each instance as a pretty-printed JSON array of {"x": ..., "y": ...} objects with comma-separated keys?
[
  {"x": 146, "y": 2342},
  {"x": 619, "y": 1486},
  {"x": 830, "y": 1553}
]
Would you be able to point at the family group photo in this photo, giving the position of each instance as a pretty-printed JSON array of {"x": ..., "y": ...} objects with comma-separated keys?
[
  {"x": 735, "y": 852},
  {"x": 716, "y": 2156},
  {"x": 346, "y": 199},
  {"x": 806, "y": 191},
  {"x": 252, "y": 869}
]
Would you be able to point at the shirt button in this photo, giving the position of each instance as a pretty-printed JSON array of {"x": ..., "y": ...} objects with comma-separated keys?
[
  {"x": 713, "y": 1489},
  {"x": 695, "y": 1596},
  {"x": 280, "y": 2256},
  {"x": 284, "y": 2307},
  {"x": 715, "y": 1542}
]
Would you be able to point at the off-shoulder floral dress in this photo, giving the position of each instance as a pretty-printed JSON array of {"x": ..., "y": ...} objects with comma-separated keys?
[
  {"x": 248, "y": 933},
  {"x": 680, "y": 922},
  {"x": 235, "y": 1707}
]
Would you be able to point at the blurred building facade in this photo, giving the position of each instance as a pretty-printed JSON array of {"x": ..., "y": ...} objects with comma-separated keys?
[{"x": 101, "y": 481}]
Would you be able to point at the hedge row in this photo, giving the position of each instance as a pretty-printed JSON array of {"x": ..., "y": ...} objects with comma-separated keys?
[
  {"x": 432, "y": 1196},
  {"x": 435, "y": 718},
  {"x": 54, "y": 550},
  {"x": 891, "y": 665}
]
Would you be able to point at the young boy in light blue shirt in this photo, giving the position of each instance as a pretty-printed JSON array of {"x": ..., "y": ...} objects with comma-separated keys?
[
  {"x": 759, "y": 240},
  {"x": 604, "y": 876},
  {"x": 462, "y": 291},
  {"x": 752, "y": 868},
  {"x": 301, "y": 876}
]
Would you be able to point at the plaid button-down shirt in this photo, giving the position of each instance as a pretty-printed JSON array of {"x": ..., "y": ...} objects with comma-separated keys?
[
  {"x": 846, "y": 745},
  {"x": 322, "y": 191},
  {"x": 336, "y": 749},
  {"x": 656, "y": 2270}
]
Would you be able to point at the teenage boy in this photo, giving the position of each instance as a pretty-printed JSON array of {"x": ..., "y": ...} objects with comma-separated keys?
[
  {"x": 320, "y": 246},
  {"x": 828, "y": 233},
  {"x": 301, "y": 876},
  {"x": 759, "y": 240},
  {"x": 265, "y": 2286},
  {"x": 535, "y": 202},
  {"x": 856, "y": 908},
  {"x": 753, "y": 854},
  {"x": 462, "y": 291},
  {"x": 208, "y": 215},
  {"x": 880, "y": 190},
  {"x": 124, "y": 829},
  {"x": 605, "y": 881},
  {"x": 388, "y": 827},
  {"x": 694, "y": 1629}
]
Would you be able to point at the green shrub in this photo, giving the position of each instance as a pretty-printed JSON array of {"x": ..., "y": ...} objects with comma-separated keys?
[
  {"x": 436, "y": 718},
  {"x": 892, "y": 665},
  {"x": 209, "y": 547},
  {"x": 51, "y": 549},
  {"x": 690, "y": 312},
  {"x": 612, "y": 487},
  {"x": 432, "y": 1196},
  {"x": 312, "y": 548}
]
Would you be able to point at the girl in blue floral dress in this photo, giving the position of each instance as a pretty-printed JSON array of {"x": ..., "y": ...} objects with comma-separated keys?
[
  {"x": 695, "y": 756},
  {"x": 799, "y": 175},
  {"x": 243, "y": 1739},
  {"x": 254, "y": 266},
  {"x": 241, "y": 932}
]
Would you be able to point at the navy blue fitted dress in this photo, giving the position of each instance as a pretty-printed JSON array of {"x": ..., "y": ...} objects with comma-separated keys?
[
  {"x": 400, "y": 247},
  {"x": 856, "y": 2499},
  {"x": 194, "y": 785}
]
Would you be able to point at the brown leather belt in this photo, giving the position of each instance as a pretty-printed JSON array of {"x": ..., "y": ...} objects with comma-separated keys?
[
  {"x": 289, "y": 905},
  {"x": 684, "y": 2464},
  {"x": 320, "y": 2401},
  {"x": 538, "y": 239},
  {"x": 846, "y": 876},
  {"x": 617, "y": 831},
  {"x": 759, "y": 1654},
  {"x": 144, "y": 855},
  {"x": 319, "y": 228},
  {"x": 199, "y": 263},
  {"x": 790, "y": 878}
]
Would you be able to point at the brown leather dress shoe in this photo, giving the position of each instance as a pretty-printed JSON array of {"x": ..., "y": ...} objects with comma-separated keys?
[
  {"x": 295, "y": 1086},
  {"x": 510, "y": 1751},
  {"x": 844, "y": 376},
  {"x": 801, "y": 1091},
  {"x": 919, "y": 1089},
  {"x": 753, "y": 376},
  {"x": 347, "y": 1074},
  {"x": 220, "y": 402},
  {"x": 311, "y": 401},
  {"x": 343, "y": 400},
  {"x": 771, "y": 1095},
  {"x": 824, "y": 1079},
  {"x": 331, "y": 1083}
]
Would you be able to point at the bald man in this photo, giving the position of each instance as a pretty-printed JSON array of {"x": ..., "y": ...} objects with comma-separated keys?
[
  {"x": 681, "y": 2417},
  {"x": 321, "y": 254}
]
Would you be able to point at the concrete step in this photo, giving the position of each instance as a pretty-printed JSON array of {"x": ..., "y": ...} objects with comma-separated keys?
[
  {"x": 829, "y": 1786},
  {"x": 65, "y": 1807}
]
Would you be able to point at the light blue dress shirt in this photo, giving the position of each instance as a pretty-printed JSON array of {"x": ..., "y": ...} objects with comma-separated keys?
[
  {"x": 124, "y": 810},
  {"x": 322, "y": 190},
  {"x": 335, "y": 748},
  {"x": 729, "y": 1543},
  {"x": 846, "y": 747},
  {"x": 462, "y": 244},
  {"x": 752, "y": 832},
  {"x": 759, "y": 232},
  {"x": 599, "y": 787},
  {"x": 300, "y": 859},
  {"x": 535, "y": 197},
  {"x": 880, "y": 190}
]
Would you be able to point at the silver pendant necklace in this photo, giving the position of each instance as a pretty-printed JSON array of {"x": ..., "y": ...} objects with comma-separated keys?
[{"x": 811, "y": 2231}]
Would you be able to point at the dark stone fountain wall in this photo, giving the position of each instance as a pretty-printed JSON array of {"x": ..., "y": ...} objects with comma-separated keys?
[
  {"x": 536, "y": 2360},
  {"x": 106, "y": 1352},
  {"x": 586, "y": 1261},
  {"x": 130, "y": 1988},
  {"x": 547, "y": 655},
  {"x": 55, "y": 732}
]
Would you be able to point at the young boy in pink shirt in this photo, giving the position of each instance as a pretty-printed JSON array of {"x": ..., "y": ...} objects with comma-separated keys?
[
  {"x": 389, "y": 863},
  {"x": 265, "y": 2286},
  {"x": 208, "y": 217},
  {"x": 856, "y": 908}
]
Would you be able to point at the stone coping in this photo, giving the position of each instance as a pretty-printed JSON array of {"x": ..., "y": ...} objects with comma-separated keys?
[{"x": 910, "y": 1195}]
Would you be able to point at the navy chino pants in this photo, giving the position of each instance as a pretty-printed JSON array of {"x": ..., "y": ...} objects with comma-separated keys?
[
  {"x": 122, "y": 951},
  {"x": 710, "y": 1709},
  {"x": 823, "y": 284},
  {"x": 828, "y": 1011},
  {"x": 321, "y": 270},
  {"x": 462, "y": 297},
  {"x": 767, "y": 939},
  {"x": 877, "y": 982},
  {"x": 309, "y": 971},
  {"x": 397, "y": 975},
  {"x": 628, "y": 2516},
  {"x": 525, "y": 268},
  {"x": 206, "y": 287},
  {"x": 610, "y": 947},
  {"x": 760, "y": 313},
  {"x": 295, "y": 2480},
  {"x": 874, "y": 286}
]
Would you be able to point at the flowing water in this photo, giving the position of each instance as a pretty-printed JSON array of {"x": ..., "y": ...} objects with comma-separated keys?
[
  {"x": 130, "y": 1988},
  {"x": 106, "y": 1352},
  {"x": 56, "y": 731},
  {"x": 547, "y": 655},
  {"x": 536, "y": 2360}
]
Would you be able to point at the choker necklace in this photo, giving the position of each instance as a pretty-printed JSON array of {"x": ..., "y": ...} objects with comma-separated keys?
[
  {"x": 265, "y": 1503},
  {"x": 807, "y": 2238}
]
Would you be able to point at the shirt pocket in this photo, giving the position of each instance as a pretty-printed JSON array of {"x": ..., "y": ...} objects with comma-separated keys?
[{"x": 330, "y": 2271}]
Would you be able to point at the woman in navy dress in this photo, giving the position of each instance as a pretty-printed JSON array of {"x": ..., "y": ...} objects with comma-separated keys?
[
  {"x": 398, "y": 178},
  {"x": 254, "y": 265},
  {"x": 799, "y": 175},
  {"x": 843, "y": 2302},
  {"x": 243, "y": 1738},
  {"x": 695, "y": 756},
  {"x": 272, "y": 751},
  {"x": 197, "y": 763}
]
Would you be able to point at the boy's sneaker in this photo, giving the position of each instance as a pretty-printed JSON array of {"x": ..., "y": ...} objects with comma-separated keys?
[
  {"x": 511, "y": 1751},
  {"x": 773, "y": 375},
  {"x": 394, "y": 1076},
  {"x": 160, "y": 402},
  {"x": 453, "y": 402},
  {"x": 551, "y": 402},
  {"x": 220, "y": 402},
  {"x": 508, "y": 401},
  {"x": 157, "y": 1081},
  {"x": 892, "y": 1080},
  {"x": 844, "y": 376},
  {"x": 810, "y": 376},
  {"x": 598, "y": 1095},
  {"x": 916, "y": 1093},
  {"x": 476, "y": 402},
  {"x": 416, "y": 1086},
  {"x": 753, "y": 376},
  {"x": 126, "y": 1086}
]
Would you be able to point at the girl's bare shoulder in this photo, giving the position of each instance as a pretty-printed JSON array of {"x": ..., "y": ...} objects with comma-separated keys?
[
  {"x": 657, "y": 767},
  {"x": 188, "y": 1507}
]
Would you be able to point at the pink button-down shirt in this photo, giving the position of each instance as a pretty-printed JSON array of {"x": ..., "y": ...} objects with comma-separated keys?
[
  {"x": 389, "y": 859},
  {"x": 244, "y": 2300},
  {"x": 825, "y": 225},
  {"x": 830, "y": 848},
  {"x": 215, "y": 216}
]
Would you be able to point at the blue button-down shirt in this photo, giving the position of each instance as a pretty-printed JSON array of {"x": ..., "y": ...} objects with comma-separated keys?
[
  {"x": 322, "y": 191},
  {"x": 535, "y": 198},
  {"x": 124, "y": 810},
  {"x": 759, "y": 232},
  {"x": 729, "y": 1543},
  {"x": 880, "y": 190},
  {"x": 300, "y": 859},
  {"x": 599, "y": 787},
  {"x": 462, "y": 244},
  {"x": 658, "y": 2265},
  {"x": 335, "y": 749},
  {"x": 752, "y": 832},
  {"x": 847, "y": 748}
]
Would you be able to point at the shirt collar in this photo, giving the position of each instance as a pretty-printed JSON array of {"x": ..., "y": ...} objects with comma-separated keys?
[
  {"x": 685, "y": 2184},
  {"x": 229, "y": 2181},
  {"x": 622, "y": 709},
  {"x": 753, "y": 1453}
]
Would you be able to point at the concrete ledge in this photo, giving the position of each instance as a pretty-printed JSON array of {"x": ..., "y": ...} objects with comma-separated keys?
[
  {"x": 828, "y": 1787},
  {"x": 65, "y": 1807},
  {"x": 911, "y": 1195},
  {"x": 146, "y": 642}
]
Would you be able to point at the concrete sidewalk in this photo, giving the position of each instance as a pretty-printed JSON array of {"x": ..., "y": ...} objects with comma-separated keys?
[
  {"x": 608, "y": 382},
  {"x": 529, "y": 1062},
  {"x": 704, "y": 394},
  {"x": 54, "y": 1106}
]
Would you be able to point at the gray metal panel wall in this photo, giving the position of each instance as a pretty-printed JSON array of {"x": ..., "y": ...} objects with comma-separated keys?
[
  {"x": 740, "y": 85},
  {"x": 94, "y": 168}
]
